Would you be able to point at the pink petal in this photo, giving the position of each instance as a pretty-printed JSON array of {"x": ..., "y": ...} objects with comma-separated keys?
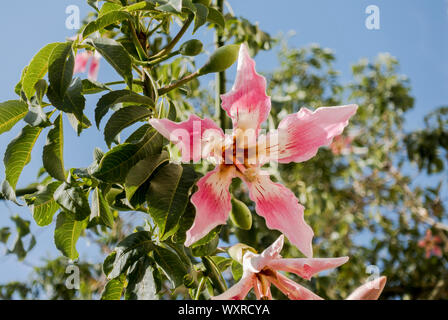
[
  {"x": 369, "y": 291},
  {"x": 306, "y": 268},
  {"x": 293, "y": 290},
  {"x": 94, "y": 67},
  {"x": 239, "y": 290},
  {"x": 81, "y": 61},
  {"x": 437, "y": 251},
  {"x": 212, "y": 202},
  {"x": 301, "y": 134},
  {"x": 190, "y": 136},
  {"x": 247, "y": 103},
  {"x": 273, "y": 251},
  {"x": 282, "y": 211}
]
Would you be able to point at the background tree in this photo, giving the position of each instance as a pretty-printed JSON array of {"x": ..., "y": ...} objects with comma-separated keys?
[{"x": 358, "y": 193}]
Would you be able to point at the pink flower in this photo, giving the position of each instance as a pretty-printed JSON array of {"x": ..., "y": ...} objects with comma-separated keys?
[
  {"x": 81, "y": 61},
  {"x": 242, "y": 152},
  {"x": 261, "y": 270},
  {"x": 431, "y": 244},
  {"x": 369, "y": 291},
  {"x": 341, "y": 145}
]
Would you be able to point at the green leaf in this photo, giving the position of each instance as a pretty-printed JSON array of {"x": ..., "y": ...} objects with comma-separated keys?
[
  {"x": 53, "y": 154},
  {"x": 130, "y": 250},
  {"x": 73, "y": 199},
  {"x": 108, "y": 7},
  {"x": 11, "y": 112},
  {"x": 116, "y": 164},
  {"x": 37, "y": 69},
  {"x": 185, "y": 223},
  {"x": 122, "y": 119},
  {"x": 200, "y": 17},
  {"x": 61, "y": 66},
  {"x": 108, "y": 263},
  {"x": 72, "y": 102},
  {"x": 171, "y": 265},
  {"x": 216, "y": 17},
  {"x": 43, "y": 205},
  {"x": 168, "y": 196},
  {"x": 18, "y": 154},
  {"x": 116, "y": 55},
  {"x": 101, "y": 210},
  {"x": 206, "y": 249},
  {"x": 77, "y": 125},
  {"x": 114, "y": 289},
  {"x": 212, "y": 271},
  {"x": 67, "y": 232},
  {"x": 142, "y": 280},
  {"x": 141, "y": 172},
  {"x": 93, "y": 87},
  {"x": 172, "y": 6},
  {"x": 105, "y": 20},
  {"x": 106, "y": 102},
  {"x": 36, "y": 117}
]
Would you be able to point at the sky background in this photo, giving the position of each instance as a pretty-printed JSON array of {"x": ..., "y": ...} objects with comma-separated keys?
[{"x": 414, "y": 31}]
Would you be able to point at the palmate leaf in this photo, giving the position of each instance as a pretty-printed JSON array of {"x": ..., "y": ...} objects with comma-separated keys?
[
  {"x": 200, "y": 17},
  {"x": 116, "y": 55},
  {"x": 61, "y": 67},
  {"x": 17, "y": 156},
  {"x": 129, "y": 250},
  {"x": 72, "y": 102},
  {"x": 143, "y": 280},
  {"x": 92, "y": 87},
  {"x": 73, "y": 200},
  {"x": 216, "y": 17},
  {"x": 114, "y": 288},
  {"x": 141, "y": 172},
  {"x": 11, "y": 112},
  {"x": 171, "y": 265},
  {"x": 53, "y": 154},
  {"x": 122, "y": 119},
  {"x": 106, "y": 102},
  {"x": 37, "y": 69},
  {"x": 105, "y": 20},
  {"x": 116, "y": 164},
  {"x": 168, "y": 196},
  {"x": 43, "y": 205},
  {"x": 67, "y": 232},
  {"x": 100, "y": 209}
]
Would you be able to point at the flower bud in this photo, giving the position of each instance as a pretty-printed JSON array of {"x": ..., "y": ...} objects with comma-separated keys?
[
  {"x": 221, "y": 59},
  {"x": 191, "y": 48},
  {"x": 237, "y": 251},
  {"x": 241, "y": 215}
]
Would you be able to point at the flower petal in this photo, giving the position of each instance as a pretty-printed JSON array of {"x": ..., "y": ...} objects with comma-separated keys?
[
  {"x": 306, "y": 268},
  {"x": 247, "y": 103},
  {"x": 369, "y": 291},
  {"x": 239, "y": 290},
  {"x": 94, "y": 66},
  {"x": 190, "y": 136},
  {"x": 212, "y": 202},
  {"x": 282, "y": 211},
  {"x": 81, "y": 61},
  {"x": 301, "y": 134},
  {"x": 293, "y": 290},
  {"x": 262, "y": 288}
]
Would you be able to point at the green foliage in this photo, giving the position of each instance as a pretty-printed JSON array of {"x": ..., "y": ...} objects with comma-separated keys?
[{"x": 364, "y": 190}]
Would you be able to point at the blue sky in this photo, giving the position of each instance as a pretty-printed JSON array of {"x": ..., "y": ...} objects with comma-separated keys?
[{"x": 414, "y": 31}]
